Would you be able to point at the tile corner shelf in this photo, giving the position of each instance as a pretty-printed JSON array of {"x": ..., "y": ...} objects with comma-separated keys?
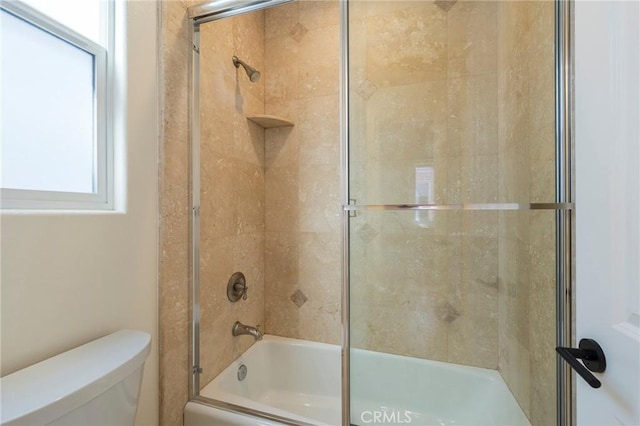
[{"x": 270, "y": 121}]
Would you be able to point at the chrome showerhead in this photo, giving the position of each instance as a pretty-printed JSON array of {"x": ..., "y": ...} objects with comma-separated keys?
[{"x": 254, "y": 74}]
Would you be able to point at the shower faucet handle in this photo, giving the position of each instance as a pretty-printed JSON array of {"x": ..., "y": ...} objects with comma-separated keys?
[
  {"x": 243, "y": 289},
  {"x": 237, "y": 287}
]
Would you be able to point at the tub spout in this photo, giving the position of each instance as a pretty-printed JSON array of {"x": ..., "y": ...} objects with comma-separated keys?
[{"x": 240, "y": 329}]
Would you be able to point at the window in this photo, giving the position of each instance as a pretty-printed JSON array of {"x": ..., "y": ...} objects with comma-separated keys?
[{"x": 56, "y": 149}]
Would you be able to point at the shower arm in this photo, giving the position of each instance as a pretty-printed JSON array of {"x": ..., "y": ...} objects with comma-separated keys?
[{"x": 237, "y": 62}]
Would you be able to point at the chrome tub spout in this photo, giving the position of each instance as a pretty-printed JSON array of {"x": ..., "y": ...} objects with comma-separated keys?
[{"x": 239, "y": 329}]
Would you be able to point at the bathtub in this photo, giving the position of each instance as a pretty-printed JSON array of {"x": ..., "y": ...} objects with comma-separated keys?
[{"x": 300, "y": 380}]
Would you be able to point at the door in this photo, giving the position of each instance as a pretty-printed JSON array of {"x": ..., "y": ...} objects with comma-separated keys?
[
  {"x": 451, "y": 278},
  {"x": 607, "y": 201}
]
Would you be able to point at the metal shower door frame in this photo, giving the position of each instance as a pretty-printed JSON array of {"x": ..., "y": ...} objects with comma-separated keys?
[
  {"x": 198, "y": 15},
  {"x": 564, "y": 207}
]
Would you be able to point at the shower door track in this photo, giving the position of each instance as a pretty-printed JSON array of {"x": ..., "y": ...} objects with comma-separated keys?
[{"x": 563, "y": 206}]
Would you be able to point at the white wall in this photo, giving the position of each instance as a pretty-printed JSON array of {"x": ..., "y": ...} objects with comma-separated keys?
[
  {"x": 607, "y": 139},
  {"x": 67, "y": 279}
]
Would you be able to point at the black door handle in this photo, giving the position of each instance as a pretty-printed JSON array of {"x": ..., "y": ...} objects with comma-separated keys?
[{"x": 591, "y": 354}]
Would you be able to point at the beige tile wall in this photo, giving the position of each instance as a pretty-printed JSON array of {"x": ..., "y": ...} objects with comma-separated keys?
[
  {"x": 270, "y": 195},
  {"x": 174, "y": 68},
  {"x": 474, "y": 100},
  {"x": 232, "y": 182},
  {"x": 425, "y": 292},
  {"x": 302, "y": 192},
  {"x": 526, "y": 240},
  {"x": 232, "y": 196},
  {"x": 424, "y": 94}
]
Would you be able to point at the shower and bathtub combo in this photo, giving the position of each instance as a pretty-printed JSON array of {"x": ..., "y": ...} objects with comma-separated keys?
[{"x": 381, "y": 205}]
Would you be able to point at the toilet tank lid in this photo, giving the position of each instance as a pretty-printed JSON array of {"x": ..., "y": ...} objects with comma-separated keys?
[{"x": 49, "y": 389}]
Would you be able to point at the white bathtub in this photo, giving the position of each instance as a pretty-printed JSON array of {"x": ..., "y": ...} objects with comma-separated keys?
[{"x": 300, "y": 380}]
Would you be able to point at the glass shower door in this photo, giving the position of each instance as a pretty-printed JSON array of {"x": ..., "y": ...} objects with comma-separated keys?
[{"x": 452, "y": 275}]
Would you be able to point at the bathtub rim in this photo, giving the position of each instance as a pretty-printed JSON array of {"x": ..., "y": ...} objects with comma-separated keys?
[{"x": 239, "y": 409}]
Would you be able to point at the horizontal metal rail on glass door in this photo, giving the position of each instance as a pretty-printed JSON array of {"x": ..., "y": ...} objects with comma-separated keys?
[{"x": 464, "y": 206}]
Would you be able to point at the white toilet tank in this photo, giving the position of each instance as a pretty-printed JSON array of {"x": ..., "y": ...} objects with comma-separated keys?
[{"x": 96, "y": 384}]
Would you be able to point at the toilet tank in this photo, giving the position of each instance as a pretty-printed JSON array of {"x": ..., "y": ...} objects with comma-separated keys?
[{"x": 93, "y": 384}]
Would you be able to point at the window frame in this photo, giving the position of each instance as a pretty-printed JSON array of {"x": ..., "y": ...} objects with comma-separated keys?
[{"x": 103, "y": 160}]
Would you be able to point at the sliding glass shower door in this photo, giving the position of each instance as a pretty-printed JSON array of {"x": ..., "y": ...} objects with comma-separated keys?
[{"x": 452, "y": 228}]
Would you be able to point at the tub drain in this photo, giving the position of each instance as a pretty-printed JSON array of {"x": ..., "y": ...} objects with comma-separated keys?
[{"x": 242, "y": 372}]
